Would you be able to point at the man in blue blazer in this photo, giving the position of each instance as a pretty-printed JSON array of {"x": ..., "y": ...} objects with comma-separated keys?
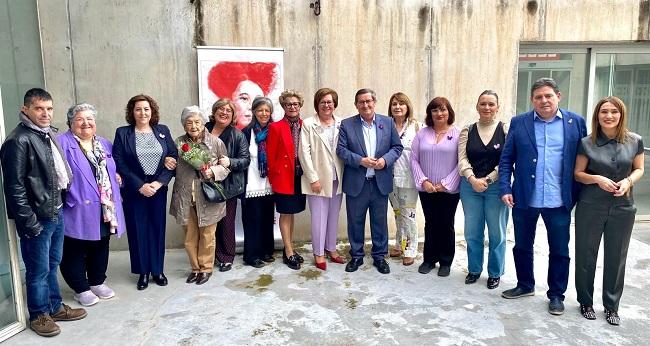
[
  {"x": 541, "y": 144},
  {"x": 369, "y": 145}
]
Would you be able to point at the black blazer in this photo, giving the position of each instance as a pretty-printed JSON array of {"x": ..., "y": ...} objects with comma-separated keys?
[
  {"x": 237, "y": 147},
  {"x": 126, "y": 158}
]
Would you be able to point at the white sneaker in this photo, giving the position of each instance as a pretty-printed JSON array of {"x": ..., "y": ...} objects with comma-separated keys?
[
  {"x": 102, "y": 291},
  {"x": 86, "y": 298}
]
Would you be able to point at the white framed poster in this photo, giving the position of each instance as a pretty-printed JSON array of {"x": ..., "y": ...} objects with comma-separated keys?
[{"x": 240, "y": 74}]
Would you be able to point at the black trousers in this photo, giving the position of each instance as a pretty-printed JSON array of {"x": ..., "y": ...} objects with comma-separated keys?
[
  {"x": 439, "y": 235},
  {"x": 258, "y": 218},
  {"x": 84, "y": 262},
  {"x": 613, "y": 224},
  {"x": 225, "y": 234}
]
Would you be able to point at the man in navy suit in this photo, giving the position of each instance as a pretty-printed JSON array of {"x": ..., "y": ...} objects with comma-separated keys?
[
  {"x": 369, "y": 145},
  {"x": 541, "y": 144}
]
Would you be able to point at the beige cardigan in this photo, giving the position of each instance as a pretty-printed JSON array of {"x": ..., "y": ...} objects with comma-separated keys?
[
  {"x": 317, "y": 157},
  {"x": 187, "y": 186}
]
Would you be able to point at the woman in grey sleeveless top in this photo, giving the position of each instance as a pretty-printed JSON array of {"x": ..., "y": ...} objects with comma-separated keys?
[{"x": 609, "y": 162}]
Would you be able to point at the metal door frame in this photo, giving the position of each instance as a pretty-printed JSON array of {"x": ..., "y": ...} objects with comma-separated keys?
[{"x": 14, "y": 262}]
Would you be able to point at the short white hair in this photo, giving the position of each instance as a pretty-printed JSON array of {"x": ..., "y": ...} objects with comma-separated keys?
[
  {"x": 80, "y": 107},
  {"x": 193, "y": 110}
]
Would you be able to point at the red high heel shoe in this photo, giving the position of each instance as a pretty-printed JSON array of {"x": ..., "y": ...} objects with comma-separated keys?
[
  {"x": 337, "y": 259},
  {"x": 321, "y": 265}
]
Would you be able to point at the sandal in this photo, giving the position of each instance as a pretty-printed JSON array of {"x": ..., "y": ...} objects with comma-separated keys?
[
  {"x": 612, "y": 317},
  {"x": 587, "y": 311}
]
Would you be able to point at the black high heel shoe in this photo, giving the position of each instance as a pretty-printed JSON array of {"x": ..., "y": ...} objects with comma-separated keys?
[
  {"x": 291, "y": 261},
  {"x": 143, "y": 282},
  {"x": 298, "y": 257}
]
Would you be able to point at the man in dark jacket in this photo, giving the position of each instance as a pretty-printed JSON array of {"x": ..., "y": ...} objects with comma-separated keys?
[{"x": 35, "y": 175}]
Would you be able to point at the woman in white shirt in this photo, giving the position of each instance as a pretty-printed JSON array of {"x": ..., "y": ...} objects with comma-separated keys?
[{"x": 404, "y": 196}]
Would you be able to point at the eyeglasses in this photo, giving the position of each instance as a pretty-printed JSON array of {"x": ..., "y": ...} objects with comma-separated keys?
[
  {"x": 326, "y": 103},
  {"x": 224, "y": 109},
  {"x": 292, "y": 104},
  {"x": 365, "y": 102}
]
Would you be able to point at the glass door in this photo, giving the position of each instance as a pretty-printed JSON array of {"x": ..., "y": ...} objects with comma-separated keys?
[
  {"x": 587, "y": 73},
  {"x": 12, "y": 314},
  {"x": 626, "y": 74}
]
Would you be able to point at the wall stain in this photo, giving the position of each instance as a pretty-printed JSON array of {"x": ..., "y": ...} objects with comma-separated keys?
[
  {"x": 272, "y": 18},
  {"x": 463, "y": 6},
  {"x": 235, "y": 26},
  {"x": 423, "y": 18},
  {"x": 644, "y": 20},
  {"x": 531, "y": 7},
  {"x": 199, "y": 27},
  {"x": 502, "y": 6}
]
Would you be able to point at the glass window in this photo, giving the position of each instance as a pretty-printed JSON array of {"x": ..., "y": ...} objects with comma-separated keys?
[
  {"x": 569, "y": 70},
  {"x": 620, "y": 71},
  {"x": 627, "y": 76},
  {"x": 8, "y": 314},
  {"x": 11, "y": 316}
]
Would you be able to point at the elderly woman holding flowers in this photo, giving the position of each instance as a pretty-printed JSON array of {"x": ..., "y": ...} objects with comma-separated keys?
[{"x": 198, "y": 163}]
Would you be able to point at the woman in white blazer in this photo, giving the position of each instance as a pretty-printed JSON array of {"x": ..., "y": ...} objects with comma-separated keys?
[{"x": 322, "y": 171}]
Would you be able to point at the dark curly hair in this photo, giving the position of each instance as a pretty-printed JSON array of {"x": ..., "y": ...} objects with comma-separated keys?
[
  {"x": 130, "y": 118},
  {"x": 436, "y": 103}
]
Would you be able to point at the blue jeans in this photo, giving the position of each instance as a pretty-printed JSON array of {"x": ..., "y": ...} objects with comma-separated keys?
[
  {"x": 557, "y": 221},
  {"x": 42, "y": 255},
  {"x": 481, "y": 208}
]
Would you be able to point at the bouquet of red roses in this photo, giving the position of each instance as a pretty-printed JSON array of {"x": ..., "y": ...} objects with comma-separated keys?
[{"x": 194, "y": 155}]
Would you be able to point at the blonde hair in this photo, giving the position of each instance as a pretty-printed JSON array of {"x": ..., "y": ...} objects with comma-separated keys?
[{"x": 291, "y": 93}]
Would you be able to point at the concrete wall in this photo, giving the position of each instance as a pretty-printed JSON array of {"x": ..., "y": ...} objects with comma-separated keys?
[{"x": 105, "y": 52}]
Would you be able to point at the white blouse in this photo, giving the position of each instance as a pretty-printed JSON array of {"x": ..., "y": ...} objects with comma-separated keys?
[
  {"x": 256, "y": 186},
  {"x": 402, "y": 168}
]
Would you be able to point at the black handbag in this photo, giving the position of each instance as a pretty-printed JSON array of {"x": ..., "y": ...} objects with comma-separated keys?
[{"x": 213, "y": 191}]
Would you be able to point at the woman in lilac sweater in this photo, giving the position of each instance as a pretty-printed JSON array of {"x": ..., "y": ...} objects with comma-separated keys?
[{"x": 434, "y": 164}]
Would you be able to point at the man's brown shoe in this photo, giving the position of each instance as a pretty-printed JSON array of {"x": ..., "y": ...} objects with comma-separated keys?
[
  {"x": 43, "y": 325},
  {"x": 67, "y": 313},
  {"x": 394, "y": 252},
  {"x": 407, "y": 261}
]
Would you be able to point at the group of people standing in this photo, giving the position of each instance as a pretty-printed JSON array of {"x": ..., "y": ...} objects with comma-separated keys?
[{"x": 101, "y": 189}]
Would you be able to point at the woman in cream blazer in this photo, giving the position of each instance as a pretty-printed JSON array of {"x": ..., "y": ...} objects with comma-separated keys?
[{"x": 322, "y": 172}]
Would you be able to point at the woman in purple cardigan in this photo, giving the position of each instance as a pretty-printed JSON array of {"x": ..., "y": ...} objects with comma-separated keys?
[
  {"x": 93, "y": 207},
  {"x": 434, "y": 163}
]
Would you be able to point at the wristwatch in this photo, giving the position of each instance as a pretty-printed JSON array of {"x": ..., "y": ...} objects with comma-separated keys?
[{"x": 489, "y": 180}]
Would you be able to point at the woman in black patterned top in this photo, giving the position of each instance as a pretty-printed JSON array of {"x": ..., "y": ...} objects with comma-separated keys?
[{"x": 145, "y": 155}]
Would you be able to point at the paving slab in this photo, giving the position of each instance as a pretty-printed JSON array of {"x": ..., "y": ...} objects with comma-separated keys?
[{"x": 275, "y": 305}]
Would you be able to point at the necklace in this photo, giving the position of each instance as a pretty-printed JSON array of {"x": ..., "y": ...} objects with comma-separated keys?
[{"x": 440, "y": 134}]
